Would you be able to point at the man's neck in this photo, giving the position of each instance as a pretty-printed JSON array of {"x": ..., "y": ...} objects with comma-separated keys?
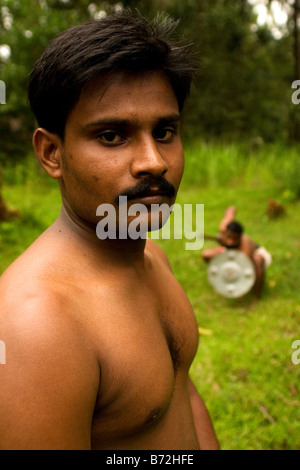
[{"x": 125, "y": 251}]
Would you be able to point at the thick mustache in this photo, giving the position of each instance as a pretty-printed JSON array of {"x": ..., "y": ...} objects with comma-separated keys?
[{"x": 148, "y": 187}]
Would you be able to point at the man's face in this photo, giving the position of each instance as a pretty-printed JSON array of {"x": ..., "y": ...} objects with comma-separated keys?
[
  {"x": 123, "y": 131},
  {"x": 231, "y": 239}
]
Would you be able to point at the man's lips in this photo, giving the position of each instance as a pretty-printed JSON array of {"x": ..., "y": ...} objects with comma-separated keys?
[
  {"x": 150, "y": 195},
  {"x": 149, "y": 199},
  {"x": 155, "y": 188}
]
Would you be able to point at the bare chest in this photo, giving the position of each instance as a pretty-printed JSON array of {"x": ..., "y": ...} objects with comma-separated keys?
[
  {"x": 247, "y": 246},
  {"x": 146, "y": 339}
]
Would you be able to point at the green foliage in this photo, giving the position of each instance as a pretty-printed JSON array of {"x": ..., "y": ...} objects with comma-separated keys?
[
  {"x": 253, "y": 163},
  {"x": 33, "y": 25},
  {"x": 244, "y": 85},
  {"x": 243, "y": 368}
]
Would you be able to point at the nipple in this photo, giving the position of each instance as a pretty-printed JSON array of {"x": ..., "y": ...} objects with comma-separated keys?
[{"x": 154, "y": 415}]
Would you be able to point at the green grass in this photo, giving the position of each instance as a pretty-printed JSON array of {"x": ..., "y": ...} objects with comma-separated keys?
[
  {"x": 38, "y": 201},
  {"x": 243, "y": 369}
]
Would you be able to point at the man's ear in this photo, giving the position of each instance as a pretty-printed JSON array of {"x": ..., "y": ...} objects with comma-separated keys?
[{"x": 48, "y": 149}]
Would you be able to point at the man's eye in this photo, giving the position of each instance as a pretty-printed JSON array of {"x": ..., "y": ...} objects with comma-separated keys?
[
  {"x": 110, "y": 138},
  {"x": 164, "y": 135}
]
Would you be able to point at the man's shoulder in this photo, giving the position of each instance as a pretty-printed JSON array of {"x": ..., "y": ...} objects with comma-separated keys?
[
  {"x": 157, "y": 252},
  {"x": 49, "y": 365},
  {"x": 27, "y": 305},
  {"x": 37, "y": 317},
  {"x": 248, "y": 245},
  {"x": 26, "y": 296}
]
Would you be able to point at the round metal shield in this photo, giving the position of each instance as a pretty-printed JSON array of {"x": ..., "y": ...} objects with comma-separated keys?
[{"x": 232, "y": 273}]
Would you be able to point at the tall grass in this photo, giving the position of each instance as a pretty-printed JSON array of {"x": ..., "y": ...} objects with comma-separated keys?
[
  {"x": 221, "y": 165},
  {"x": 243, "y": 367}
]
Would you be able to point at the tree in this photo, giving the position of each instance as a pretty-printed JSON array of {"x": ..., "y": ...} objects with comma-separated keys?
[
  {"x": 245, "y": 73},
  {"x": 27, "y": 27}
]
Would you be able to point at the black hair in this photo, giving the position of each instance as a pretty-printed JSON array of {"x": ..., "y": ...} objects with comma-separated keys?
[
  {"x": 123, "y": 42},
  {"x": 235, "y": 227}
]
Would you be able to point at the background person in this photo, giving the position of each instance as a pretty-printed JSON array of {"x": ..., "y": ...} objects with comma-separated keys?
[{"x": 231, "y": 236}]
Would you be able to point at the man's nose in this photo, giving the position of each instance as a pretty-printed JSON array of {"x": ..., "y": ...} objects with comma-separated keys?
[{"x": 147, "y": 159}]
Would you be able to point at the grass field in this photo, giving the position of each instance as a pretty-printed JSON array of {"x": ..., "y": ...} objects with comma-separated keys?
[{"x": 243, "y": 368}]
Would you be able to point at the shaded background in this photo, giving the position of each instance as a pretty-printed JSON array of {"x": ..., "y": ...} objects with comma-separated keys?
[
  {"x": 247, "y": 64},
  {"x": 241, "y": 135}
]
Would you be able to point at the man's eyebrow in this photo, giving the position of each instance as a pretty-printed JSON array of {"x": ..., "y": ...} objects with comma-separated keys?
[
  {"x": 171, "y": 119},
  {"x": 123, "y": 122}
]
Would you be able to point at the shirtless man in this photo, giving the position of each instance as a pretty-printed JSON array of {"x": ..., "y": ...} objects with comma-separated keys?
[
  {"x": 231, "y": 236},
  {"x": 99, "y": 334}
]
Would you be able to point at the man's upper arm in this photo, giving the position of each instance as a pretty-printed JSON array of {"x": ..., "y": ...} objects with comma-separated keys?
[
  {"x": 203, "y": 425},
  {"x": 48, "y": 384}
]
